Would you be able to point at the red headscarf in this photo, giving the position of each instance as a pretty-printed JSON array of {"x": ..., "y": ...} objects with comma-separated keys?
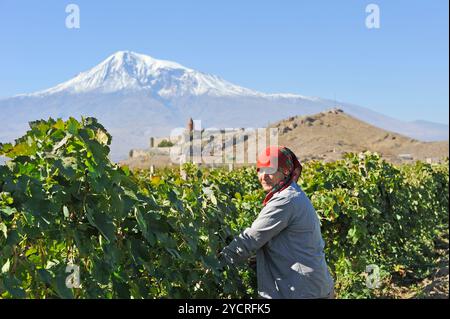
[{"x": 281, "y": 159}]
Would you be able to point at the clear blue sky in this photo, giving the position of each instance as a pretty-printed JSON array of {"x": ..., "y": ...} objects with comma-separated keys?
[{"x": 316, "y": 48}]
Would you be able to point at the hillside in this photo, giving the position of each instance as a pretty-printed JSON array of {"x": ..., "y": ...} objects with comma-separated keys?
[{"x": 327, "y": 135}]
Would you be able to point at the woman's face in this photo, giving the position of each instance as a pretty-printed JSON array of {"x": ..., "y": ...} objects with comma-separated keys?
[{"x": 267, "y": 180}]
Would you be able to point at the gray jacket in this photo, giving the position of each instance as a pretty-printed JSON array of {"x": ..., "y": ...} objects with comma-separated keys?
[{"x": 289, "y": 248}]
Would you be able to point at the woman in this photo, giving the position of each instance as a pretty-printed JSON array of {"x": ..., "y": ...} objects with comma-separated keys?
[{"x": 286, "y": 234}]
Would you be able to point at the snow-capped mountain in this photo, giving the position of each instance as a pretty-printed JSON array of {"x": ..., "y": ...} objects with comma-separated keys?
[
  {"x": 136, "y": 96},
  {"x": 131, "y": 71}
]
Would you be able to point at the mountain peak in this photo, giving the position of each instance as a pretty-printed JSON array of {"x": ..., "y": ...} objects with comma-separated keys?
[
  {"x": 131, "y": 58},
  {"x": 131, "y": 71}
]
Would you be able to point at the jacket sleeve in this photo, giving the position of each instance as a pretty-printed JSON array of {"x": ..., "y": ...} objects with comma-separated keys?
[{"x": 272, "y": 219}]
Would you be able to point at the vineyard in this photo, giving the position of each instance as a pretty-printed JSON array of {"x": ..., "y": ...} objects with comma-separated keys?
[{"x": 133, "y": 234}]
